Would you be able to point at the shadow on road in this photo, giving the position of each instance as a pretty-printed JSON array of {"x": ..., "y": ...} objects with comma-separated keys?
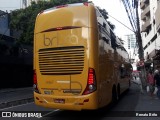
[{"x": 124, "y": 108}]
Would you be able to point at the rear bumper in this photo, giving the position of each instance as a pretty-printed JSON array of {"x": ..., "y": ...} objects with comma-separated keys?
[{"x": 71, "y": 102}]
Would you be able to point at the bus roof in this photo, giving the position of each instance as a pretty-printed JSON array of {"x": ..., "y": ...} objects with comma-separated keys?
[
  {"x": 69, "y": 15},
  {"x": 66, "y": 5}
]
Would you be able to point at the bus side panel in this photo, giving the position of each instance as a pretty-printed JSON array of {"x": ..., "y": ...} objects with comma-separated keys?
[
  {"x": 104, "y": 62},
  {"x": 93, "y": 47}
]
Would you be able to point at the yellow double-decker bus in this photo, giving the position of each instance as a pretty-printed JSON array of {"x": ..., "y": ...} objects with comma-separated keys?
[{"x": 79, "y": 63}]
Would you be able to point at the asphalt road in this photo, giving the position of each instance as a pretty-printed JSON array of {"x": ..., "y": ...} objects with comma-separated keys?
[{"x": 125, "y": 107}]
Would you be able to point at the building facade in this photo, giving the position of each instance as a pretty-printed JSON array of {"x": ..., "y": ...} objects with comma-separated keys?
[
  {"x": 4, "y": 23},
  {"x": 130, "y": 46},
  {"x": 150, "y": 28}
]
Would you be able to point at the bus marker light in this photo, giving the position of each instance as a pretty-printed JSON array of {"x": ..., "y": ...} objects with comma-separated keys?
[
  {"x": 61, "y": 6},
  {"x": 59, "y": 28},
  {"x": 86, "y": 100},
  {"x": 41, "y": 101},
  {"x": 86, "y": 3},
  {"x": 80, "y": 104},
  {"x": 37, "y": 98}
]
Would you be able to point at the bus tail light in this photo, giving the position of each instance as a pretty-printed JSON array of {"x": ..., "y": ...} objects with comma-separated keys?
[
  {"x": 91, "y": 82},
  {"x": 35, "y": 87},
  {"x": 85, "y": 3}
]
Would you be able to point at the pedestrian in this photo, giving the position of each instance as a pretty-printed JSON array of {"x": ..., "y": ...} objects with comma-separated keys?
[
  {"x": 139, "y": 78},
  {"x": 135, "y": 77},
  {"x": 151, "y": 82},
  {"x": 157, "y": 82}
]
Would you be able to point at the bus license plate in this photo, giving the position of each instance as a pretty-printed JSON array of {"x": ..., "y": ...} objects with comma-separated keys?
[{"x": 59, "y": 101}]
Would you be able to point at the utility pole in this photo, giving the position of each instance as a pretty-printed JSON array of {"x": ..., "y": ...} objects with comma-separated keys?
[
  {"x": 138, "y": 33},
  {"x": 132, "y": 12},
  {"x": 140, "y": 50}
]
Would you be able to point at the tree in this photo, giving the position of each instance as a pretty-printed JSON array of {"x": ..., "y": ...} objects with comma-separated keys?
[
  {"x": 105, "y": 15},
  {"x": 24, "y": 19},
  {"x": 122, "y": 41},
  {"x": 111, "y": 25}
]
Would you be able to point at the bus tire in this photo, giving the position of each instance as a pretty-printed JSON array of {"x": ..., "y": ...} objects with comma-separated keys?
[
  {"x": 118, "y": 92},
  {"x": 114, "y": 95}
]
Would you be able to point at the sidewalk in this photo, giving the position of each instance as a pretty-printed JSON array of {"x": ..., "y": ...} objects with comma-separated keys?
[
  {"x": 15, "y": 96},
  {"x": 147, "y": 102}
]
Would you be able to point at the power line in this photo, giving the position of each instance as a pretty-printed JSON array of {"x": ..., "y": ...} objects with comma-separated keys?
[{"x": 122, "y": 23}]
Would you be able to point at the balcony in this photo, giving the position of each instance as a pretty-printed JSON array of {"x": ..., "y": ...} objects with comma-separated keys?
[
  {"x": 146, "y": 11},
  {"x": 143, "y": 28},
  {"x": 142, "y": 5},
  {"x": 145, "y": 25},
  {"x": 143, "y": 17},
  {"x": 157, "y": 18},
  {"x": 146, "y": 1}
]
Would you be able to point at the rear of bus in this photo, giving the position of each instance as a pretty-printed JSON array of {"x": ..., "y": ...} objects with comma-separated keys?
[{"x": 65, "y": 48}]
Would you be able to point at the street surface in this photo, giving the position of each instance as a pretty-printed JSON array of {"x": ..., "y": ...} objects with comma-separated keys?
[{"x": 123, "y": 110}]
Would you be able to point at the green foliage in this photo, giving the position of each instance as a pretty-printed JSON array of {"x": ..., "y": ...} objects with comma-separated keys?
[
  {"x": 105, "y": 15},
  {"x": 111, "y": 25},
  {"x": 122, "y": 41},
  {"x": 103, "y": 12},
  {"x": 24, "y": 19}
]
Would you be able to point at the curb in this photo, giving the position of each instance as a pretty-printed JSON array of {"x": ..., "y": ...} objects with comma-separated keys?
[
  {"x": 15, "y": 103},
  {"x": 14, "y": 90}
]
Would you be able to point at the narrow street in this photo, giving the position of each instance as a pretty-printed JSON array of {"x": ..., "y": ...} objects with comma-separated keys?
[
  {"x": 131, "y": 102},
  {"x": 67, "y": 53}
]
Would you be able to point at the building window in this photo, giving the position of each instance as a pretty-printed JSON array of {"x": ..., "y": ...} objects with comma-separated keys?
[{"x": 154, "y": 22}]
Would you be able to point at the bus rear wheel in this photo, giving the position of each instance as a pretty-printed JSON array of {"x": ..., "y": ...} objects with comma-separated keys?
[{"x": 114, "y": 95}]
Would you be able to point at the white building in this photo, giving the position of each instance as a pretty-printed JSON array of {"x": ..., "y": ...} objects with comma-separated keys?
[
  {"x": 10, "y": 5},
  {"x": 150, "y": 27},
  {"x": 130, "y": 46},
  {"x": 6, "y": 6}
]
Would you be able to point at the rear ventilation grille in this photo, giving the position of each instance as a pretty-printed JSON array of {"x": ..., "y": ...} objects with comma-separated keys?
[{"x": 61, "y": 60}]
